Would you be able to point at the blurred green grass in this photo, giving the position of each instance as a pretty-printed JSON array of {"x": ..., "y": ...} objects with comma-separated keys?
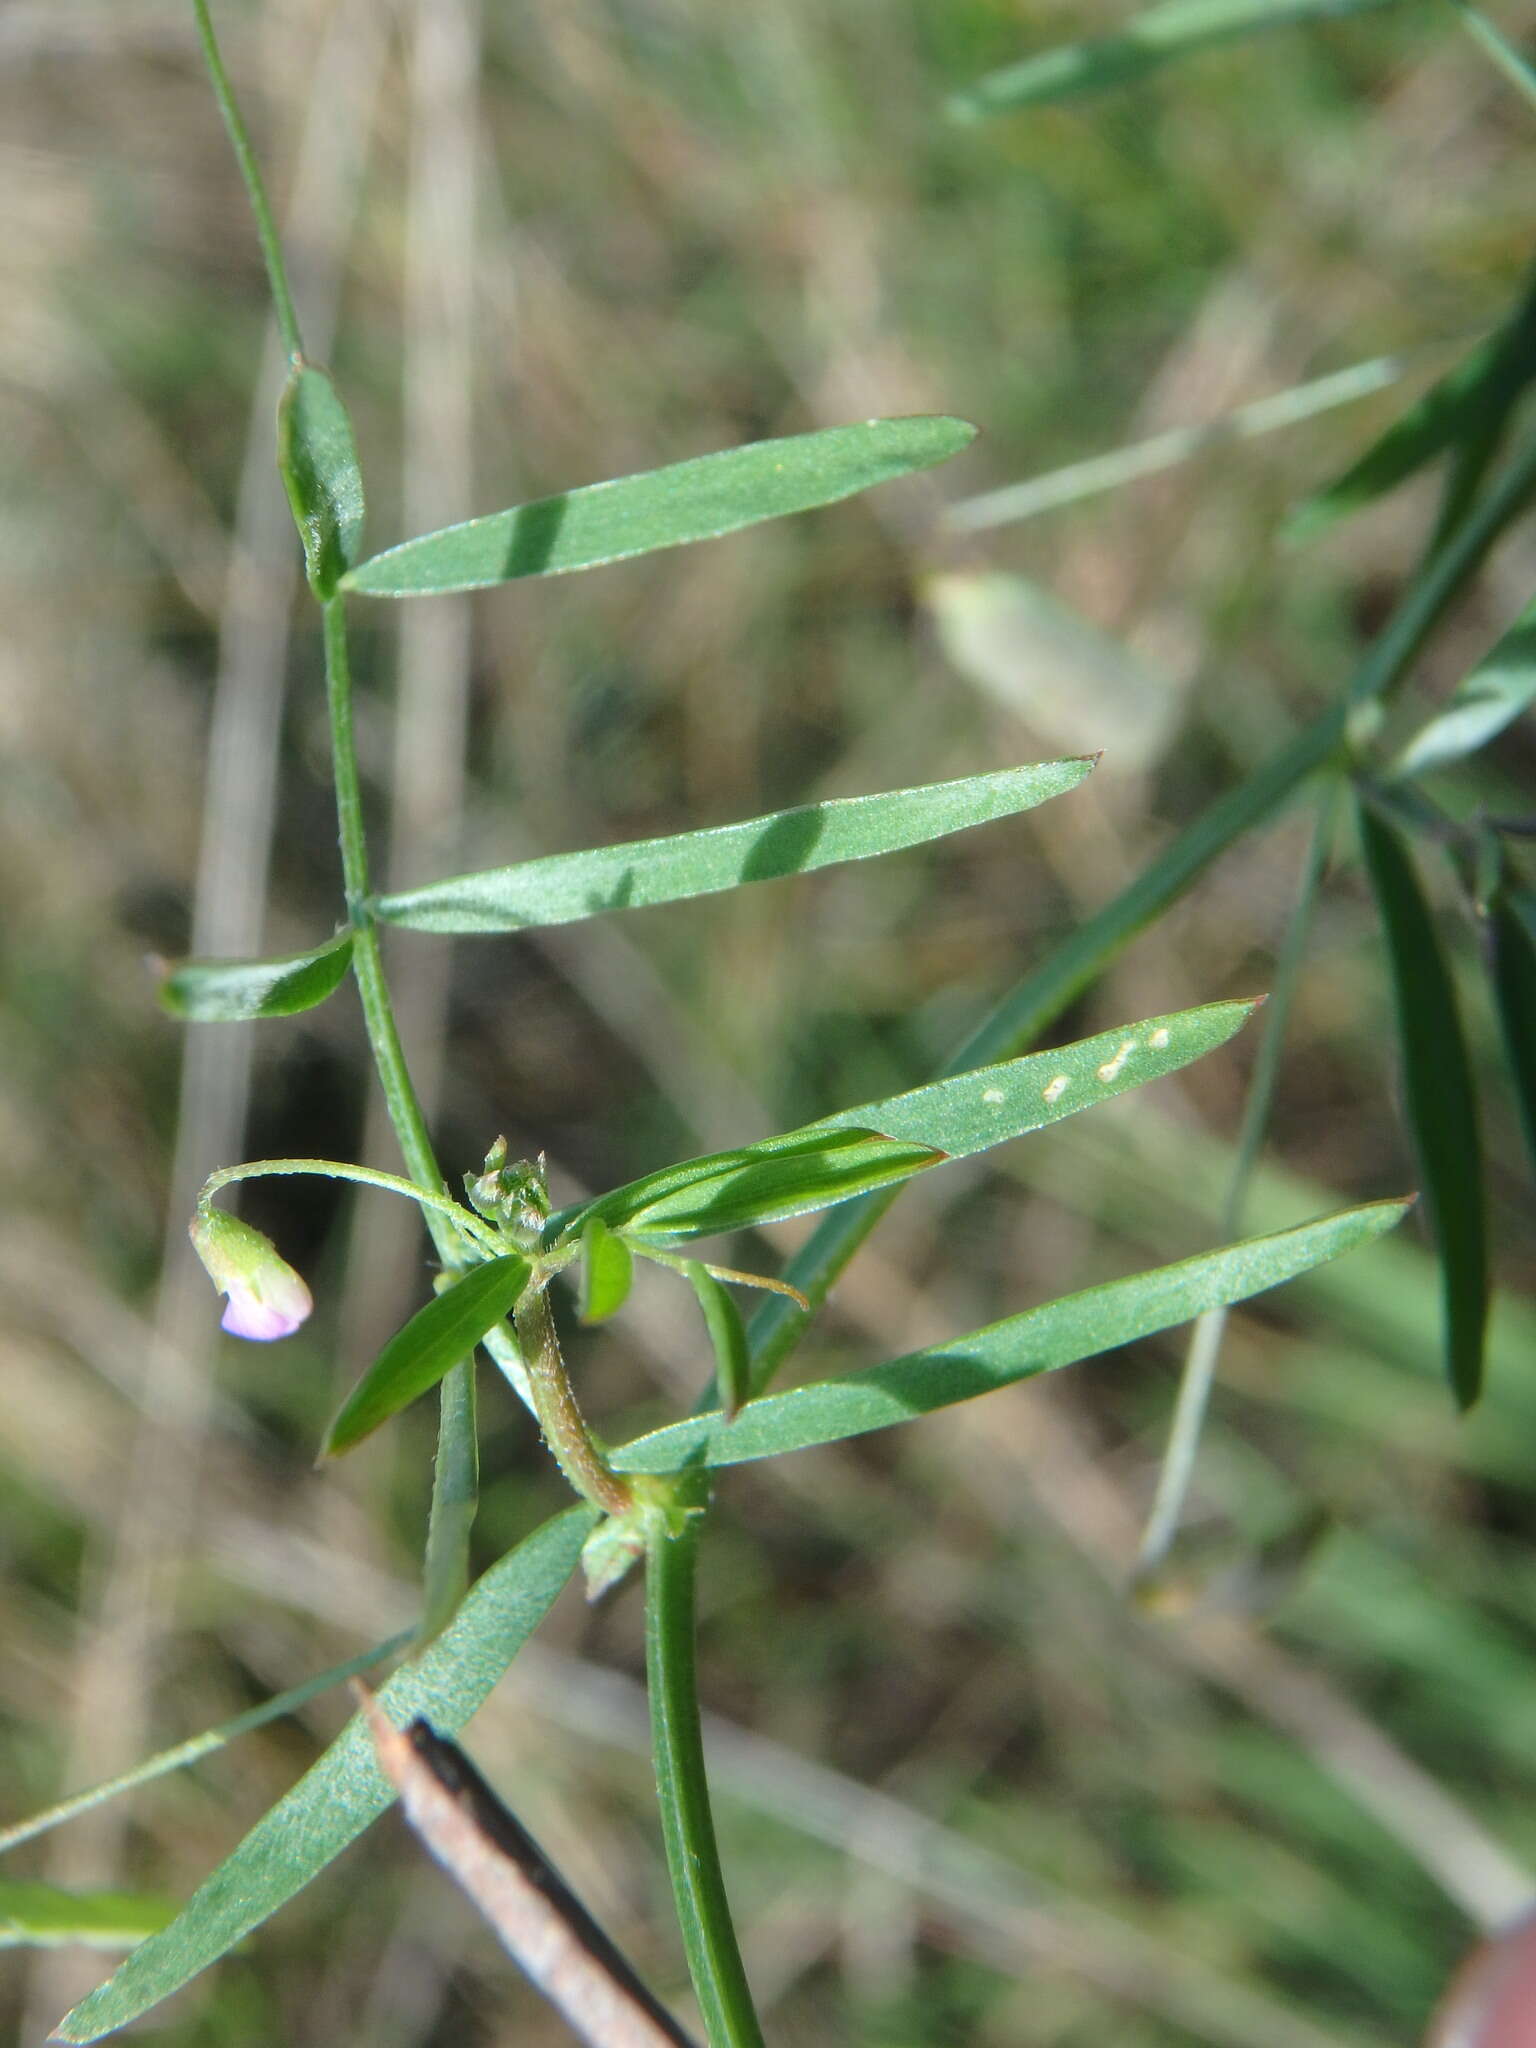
[{"x": 696, "y": 227}]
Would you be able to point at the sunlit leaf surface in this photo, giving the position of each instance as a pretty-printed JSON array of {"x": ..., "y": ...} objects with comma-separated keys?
[
  {"x": 562, "y": 887},
  {"x": 661, "y": 508},
  {"x": 1040, "y": 1340}
]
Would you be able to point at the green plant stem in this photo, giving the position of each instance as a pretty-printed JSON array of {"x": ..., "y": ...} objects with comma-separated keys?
[
  {"x": 682, "y": 1789},
  {"x": 455, "y": 1473},
  {"x": 366, "y": 1176},
  {"x": 367, "y": 964},
  {"x": 1041, "y": 997},
  {"x": 1203, "y": 1354},
  {"x": 564, "y": 1427},
  {"x": 256, "y": 191}
]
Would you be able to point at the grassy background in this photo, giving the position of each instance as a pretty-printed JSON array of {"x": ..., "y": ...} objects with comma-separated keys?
[{"x": 693, "y": 225}]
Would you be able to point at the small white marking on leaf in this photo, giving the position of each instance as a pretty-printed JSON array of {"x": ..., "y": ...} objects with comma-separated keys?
[
  {"x": 1110, "y": 1071},
  {"x": 992, "y": 1095},
  {"x": 1160, "y": 1037},
  {"x": 1054, "y": 1090}
]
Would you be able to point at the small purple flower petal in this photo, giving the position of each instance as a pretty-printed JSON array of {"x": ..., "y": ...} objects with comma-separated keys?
[
  {"x": 267, "y": 1299},
  {"x": 250, "y": 1314}
]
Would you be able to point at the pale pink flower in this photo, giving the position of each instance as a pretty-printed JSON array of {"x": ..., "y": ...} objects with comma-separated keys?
[{"x": 267, "y": 1298}]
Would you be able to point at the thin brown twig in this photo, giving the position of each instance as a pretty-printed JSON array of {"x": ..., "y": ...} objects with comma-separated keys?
[{"x": 539, "y": 1921}]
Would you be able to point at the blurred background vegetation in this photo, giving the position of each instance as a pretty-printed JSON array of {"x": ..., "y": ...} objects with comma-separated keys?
[{"x": 971, "y": 1791}]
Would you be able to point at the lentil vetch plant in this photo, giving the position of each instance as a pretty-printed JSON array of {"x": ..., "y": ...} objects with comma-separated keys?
[{"x": 504, "y": 1250}]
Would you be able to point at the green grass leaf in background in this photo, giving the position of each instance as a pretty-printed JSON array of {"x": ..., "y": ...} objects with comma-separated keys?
[
  {"x": 879, "y": 1143},
  {"x": 230, "y": 991},
  {"x": 340, "y": 1794},
  {"x": 317, "y": 456},
  {"x": 180, "y": 1754},
  {"x": 1440, "y": 1097},
  {"x": 1512, "y": 921},
  {"x": 661, "y": 508},
  {"x": 1502, "y": 685},
  {"x": 564, "y": 887},
  {"x": 1498, "y": 48},
  {"x": 42, "y": 1916},
  {"x": 1466, "y": 409},
  {"x": 1040, "y": 1340},
  {"x": 1157, "y": 36},
  {"x": 1049, "y": 490},
  {"x": 435, "y": 1340}
]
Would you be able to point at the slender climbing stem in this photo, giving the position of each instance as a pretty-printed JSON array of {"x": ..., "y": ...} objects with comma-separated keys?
[
  {"x": 455, "y": 1472},
  {"x": 250, "y": 171},
  {"x": 367, "y": 964},
  {"x": 682, "y": 1789},
  {"x": 404, "y": 1109}
]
